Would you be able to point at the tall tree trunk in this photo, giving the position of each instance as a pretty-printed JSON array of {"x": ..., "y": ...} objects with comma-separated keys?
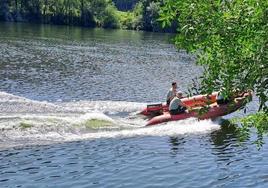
[
  {"x": 82, "y": 16},
  {"x": 45, "y": 7},
  {"x": 69, "y": 12},
  {"x": 45, "y": 11},
  {"x": 16, "y": 6}
]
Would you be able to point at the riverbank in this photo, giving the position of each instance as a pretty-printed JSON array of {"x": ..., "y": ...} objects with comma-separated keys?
[{"x": 99, "y": 13}]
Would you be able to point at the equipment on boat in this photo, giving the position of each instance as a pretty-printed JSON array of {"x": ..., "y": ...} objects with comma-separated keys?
[
  {"x": 202, "y": 107},
  {"x": 198, "y": 100}
]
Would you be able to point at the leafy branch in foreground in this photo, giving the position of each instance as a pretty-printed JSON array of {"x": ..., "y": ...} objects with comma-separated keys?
[
  {"x": 230, "y": 40},
  {"x": 259, "y": 121}
]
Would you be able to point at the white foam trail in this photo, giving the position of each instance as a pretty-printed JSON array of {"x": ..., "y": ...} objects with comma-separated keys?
[
  {"x": 90, "y": 116},
  {"x": 34, "y": 122},
  {"x": 46, "y": 136},
  {"x": 171, "y": 129},
  {"x": 111, "y": 107},
  {"x": 191, "y": 126},
  {"x": 15, "y": 104},
  {"x": 7, "y": 97}
]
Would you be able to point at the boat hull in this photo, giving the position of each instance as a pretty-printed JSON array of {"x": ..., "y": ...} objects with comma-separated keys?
[{"x": 209, "y": 112}]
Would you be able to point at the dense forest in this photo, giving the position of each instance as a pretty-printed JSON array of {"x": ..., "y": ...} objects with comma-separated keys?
[{"x": 124, "y": 14}]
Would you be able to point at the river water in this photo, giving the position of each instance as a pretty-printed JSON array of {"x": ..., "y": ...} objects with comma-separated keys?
[{"x": 69, "y": 99}]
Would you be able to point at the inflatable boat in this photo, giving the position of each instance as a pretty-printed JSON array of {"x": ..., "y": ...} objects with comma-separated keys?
[
  {"x": 198, "y": 100},
  {"x": 206, "y": 109}
]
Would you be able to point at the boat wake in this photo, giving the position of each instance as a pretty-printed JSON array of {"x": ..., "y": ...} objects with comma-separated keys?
[{"x": 27, "y": 122}]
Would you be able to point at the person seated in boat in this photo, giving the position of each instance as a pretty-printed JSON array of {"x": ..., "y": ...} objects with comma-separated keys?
[
  {"x": 172, "y": 92},
  {"x": 176, "y": 105}
]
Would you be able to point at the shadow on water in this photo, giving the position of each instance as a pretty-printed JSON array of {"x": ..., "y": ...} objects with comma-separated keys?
[
  {"x": 226, "y": 142},
  {"x": 175, "y": 144},
  {"x": 221, "y": 141},
  {"x": 227, "y": 132}
]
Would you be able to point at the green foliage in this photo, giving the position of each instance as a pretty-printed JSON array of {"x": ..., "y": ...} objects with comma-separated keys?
[
  {"x": 138, "y": 15},
  {"x": 150, "y": 14},
  {"x": 144, "y": 16},
  {"x": 131, "y": 19},
  {"x": 258, "y": 121},
  {"x": 69, "y": 12},
  {"x": 126, "y": 19},
  {"x": 110, "y": 18},
  {"x": 230, "y": 39}
]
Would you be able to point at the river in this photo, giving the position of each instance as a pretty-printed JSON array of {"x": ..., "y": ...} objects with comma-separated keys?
[{"x": 69, "y": 103}]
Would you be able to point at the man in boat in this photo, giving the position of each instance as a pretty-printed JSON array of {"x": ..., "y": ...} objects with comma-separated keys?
[
  {"x": 172, "y": 92},
  {"x": 176, "y": 105}
]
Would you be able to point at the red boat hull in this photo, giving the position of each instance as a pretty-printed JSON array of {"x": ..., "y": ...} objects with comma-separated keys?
[{"x": 214, "y": 110}]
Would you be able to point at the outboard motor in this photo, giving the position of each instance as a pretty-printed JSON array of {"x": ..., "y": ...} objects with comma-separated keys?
[{"x": 155, "y": 109}]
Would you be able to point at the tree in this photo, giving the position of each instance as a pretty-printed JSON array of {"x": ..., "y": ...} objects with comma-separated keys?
[
  {"x": 4, "y": 11},
  {"x": 230, "y": 40},
  {"x": 150, "y": 15},
  {"x": 97, "y": 7},
  {"x": 110, "y": 19},
  {"x": 87, "y": 18}
]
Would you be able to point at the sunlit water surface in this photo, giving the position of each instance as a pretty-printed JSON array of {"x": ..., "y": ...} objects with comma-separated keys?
[{"x": 69, "y": 99}]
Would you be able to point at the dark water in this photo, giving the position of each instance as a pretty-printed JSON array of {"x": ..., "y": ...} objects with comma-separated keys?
[{"x": 54, "y": 80}]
